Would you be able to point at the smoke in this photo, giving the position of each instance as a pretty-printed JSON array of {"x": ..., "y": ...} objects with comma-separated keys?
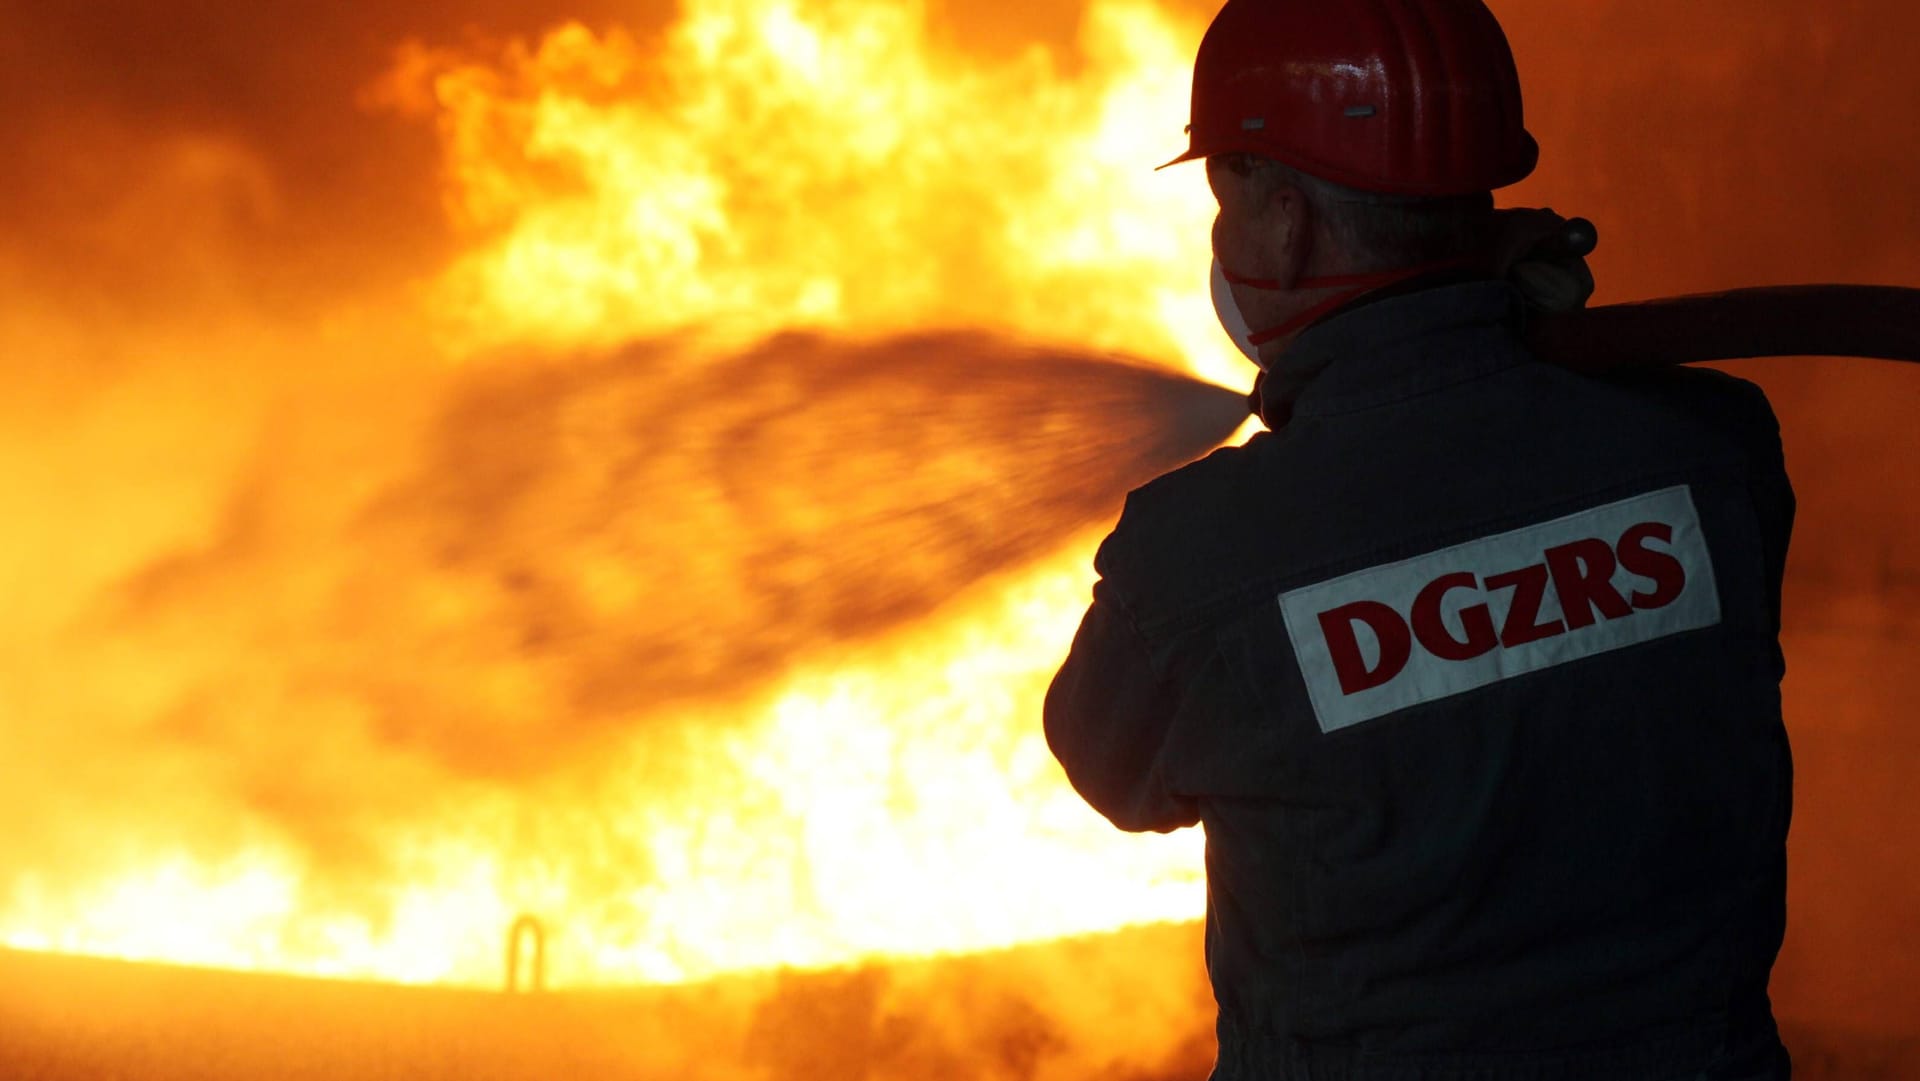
[
  {"x": 228, "y": 137},
  {"x": 240, "y": 141}
]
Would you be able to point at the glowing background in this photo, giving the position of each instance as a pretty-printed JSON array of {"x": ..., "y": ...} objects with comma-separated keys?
[{"x": 409, "y": 527}]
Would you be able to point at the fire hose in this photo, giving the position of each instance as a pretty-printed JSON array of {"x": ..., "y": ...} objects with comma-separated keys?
[{"x": 1789, "y": 320}]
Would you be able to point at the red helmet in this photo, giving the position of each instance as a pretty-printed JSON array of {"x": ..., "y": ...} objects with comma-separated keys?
[{"x": 1408, "y": 97}]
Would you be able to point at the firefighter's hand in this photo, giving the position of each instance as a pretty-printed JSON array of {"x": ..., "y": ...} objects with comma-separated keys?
[{"x": 1530, "y": 248}]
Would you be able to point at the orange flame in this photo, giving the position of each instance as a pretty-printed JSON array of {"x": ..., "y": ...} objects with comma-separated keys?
[
  {"x": 612, "y": 655},
  {"x": 778, "y": 165},
  {"x": 277, "y": 694}
]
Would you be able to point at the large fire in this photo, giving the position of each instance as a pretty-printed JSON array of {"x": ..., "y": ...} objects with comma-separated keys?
[
  {"x": 773, "y": 164},
  {"x": 637, "y": 469},
  {"x": 707, "y": 654}
]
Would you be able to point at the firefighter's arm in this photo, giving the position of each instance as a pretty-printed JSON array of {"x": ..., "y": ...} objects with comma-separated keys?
[
  {"x": 1109, "y": 716},
  {"x": 1771, "y": 491}
]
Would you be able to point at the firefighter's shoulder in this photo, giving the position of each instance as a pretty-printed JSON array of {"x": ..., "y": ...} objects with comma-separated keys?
[
  {"x": 1173, "y": 518},
  {"x": 1713, "y": 398}
]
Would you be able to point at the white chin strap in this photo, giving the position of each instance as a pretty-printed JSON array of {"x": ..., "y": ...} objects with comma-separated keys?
[{"x": 1230, "y": 317}]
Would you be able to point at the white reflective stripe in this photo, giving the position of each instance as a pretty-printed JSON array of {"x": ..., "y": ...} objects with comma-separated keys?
[{"x": 1400, "y": 634}]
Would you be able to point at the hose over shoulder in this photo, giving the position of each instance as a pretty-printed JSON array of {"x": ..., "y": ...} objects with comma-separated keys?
[{"x": 1792, "y": 320}]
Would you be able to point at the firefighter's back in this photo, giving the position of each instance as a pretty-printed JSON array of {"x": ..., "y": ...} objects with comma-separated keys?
[{"x": 1489, "y": 752}]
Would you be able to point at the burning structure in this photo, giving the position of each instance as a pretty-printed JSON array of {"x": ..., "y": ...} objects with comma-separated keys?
[{"x": 637, "y": 465}]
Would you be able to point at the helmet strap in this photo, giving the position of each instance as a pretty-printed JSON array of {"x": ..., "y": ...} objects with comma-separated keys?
[{"x": 1351, "y": 287}]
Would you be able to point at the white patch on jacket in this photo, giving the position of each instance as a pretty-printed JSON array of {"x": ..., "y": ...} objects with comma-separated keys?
[{"x": 1382, "y": 639}]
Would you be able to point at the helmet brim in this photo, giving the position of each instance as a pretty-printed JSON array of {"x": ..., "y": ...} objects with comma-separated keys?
[
  {"x": 1190, "y": 155},
  {"x": 1525, "y": 159}
]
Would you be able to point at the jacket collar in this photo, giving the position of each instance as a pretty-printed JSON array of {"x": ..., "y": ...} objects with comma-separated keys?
[{"x": 1397, "y": 347}]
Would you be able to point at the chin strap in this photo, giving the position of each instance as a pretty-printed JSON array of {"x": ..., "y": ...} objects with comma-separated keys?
[{"x": 1351, "y": 286}]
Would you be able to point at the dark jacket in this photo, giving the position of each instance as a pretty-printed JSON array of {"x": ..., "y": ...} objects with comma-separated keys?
[{"x": 1471, "y": 673}]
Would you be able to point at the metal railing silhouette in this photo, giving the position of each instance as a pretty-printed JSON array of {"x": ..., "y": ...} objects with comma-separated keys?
[{"x": 527, "y": 929}]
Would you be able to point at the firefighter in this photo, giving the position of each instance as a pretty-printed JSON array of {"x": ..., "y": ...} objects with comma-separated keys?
[{"x": 1469, "y": 665}]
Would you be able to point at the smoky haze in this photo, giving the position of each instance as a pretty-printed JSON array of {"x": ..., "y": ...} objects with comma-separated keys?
[
  {"x": 234, "y": 144},
  {"x": 209, "y": 137}
]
